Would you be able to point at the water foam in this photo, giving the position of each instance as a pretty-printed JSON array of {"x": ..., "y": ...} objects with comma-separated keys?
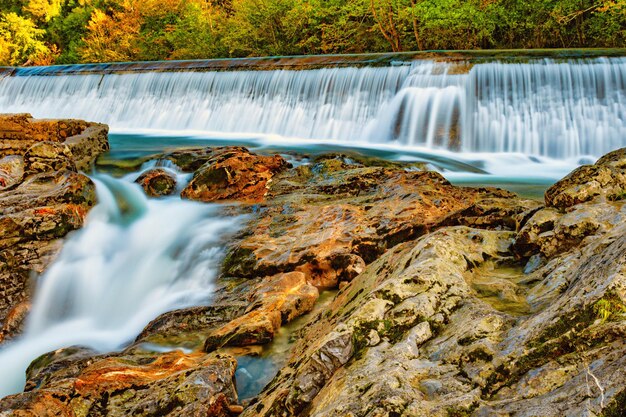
[
  {"x": 559, "y": 109},
  {"x": 134, "y": 259}
]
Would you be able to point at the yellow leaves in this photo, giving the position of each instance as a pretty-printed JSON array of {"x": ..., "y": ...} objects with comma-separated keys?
[
  {"x": 609, "y": 5},
  {"x": 110, "y": 38},
  {"x": 43, "y": 10},
  {"x": 20, "y": 41}
]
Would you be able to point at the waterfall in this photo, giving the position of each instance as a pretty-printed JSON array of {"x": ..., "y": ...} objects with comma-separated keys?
[
  {"x": 554, "y": 108},
  {"x": 134, "y": 259}
]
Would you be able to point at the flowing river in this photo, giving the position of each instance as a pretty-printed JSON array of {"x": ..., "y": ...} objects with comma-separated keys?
[{"x": 485, "y": 121}]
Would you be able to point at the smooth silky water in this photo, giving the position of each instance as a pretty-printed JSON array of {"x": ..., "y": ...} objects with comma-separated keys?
[
  {"x": 134, "y": 259},
  {"x": 520, "y": 125}
]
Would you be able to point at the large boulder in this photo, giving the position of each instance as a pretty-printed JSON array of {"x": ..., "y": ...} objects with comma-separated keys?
[
  {"x": 606, "y": 179},
  {"x": 76, "y": 382},
  {"x": 42, "y": 198},
  {"x": 233, "y": 174},
  {"x": 329, "y": 220}
]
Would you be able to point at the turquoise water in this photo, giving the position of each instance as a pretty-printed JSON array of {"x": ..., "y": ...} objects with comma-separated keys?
[{"x": 527, "y": 176}]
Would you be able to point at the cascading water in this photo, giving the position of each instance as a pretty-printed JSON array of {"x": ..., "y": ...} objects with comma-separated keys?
[
  {"x": 558, "y": 109},
  {"x": 134, "y": 259}
]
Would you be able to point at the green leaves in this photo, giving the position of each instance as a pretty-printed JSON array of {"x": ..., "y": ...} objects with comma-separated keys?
[{"x": 69, "y": 31}]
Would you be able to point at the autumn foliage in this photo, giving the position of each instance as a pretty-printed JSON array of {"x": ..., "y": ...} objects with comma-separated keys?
[{"x": 40, "y": 32}]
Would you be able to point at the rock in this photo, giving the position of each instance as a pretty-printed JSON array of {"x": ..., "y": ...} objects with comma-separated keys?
[
  {"x": 73, "y": 383},
  {"x": 83, "y": 140},
  {"x": 275, "y": 300},
  {"x": 48, "y": 157},
  {"x": 504, "y": 212},
  {"x": 419, "y": 340},
  {"x": 88, "y": 145},
  {"x": 331, "y": 219},
  {"x": 157, "y": 182},
  {"x": 43, "y": 199},
  {"x": 42, "y": 209},
  {"x": 550, "y": 232},
  {"x": 11, "y": 171},
  {"x": 607, "y": 179},
  {"x": 248, "y": 313},
  {"x": 233, "y": 174},
  {"x": 336, "y": 366},
  {"x": 190, "y": 160},
  {"x": 14, "y": 321}
]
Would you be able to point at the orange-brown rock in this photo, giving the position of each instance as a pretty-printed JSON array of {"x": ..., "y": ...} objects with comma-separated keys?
[
  {"x": 14, "y": 320},
  {"x": 42, "y": 197},
  {"x": 234, "y": 174},
  {"x": 331, "y": 219},
  {"x": 11, "y": 170},
  {"x": 157, "y": 182},
  {"x": 85, "y": 141},
  {"x": 141, "y": 384},
  {"x": 275, "y": 300}
]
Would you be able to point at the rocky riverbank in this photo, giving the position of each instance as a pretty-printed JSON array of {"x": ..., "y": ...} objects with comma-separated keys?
[
  {"x": 451, "y": 300},
  {"x": 43, "y": 196}
]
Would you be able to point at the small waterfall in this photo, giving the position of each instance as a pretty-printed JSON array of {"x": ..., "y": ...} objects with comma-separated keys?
[
  {"x": 134, "y": 259},
  {"x": 559, "y": 109}
]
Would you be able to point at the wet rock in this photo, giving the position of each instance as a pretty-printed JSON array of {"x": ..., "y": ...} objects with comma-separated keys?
[
  {"x": 11, "y": 171},
  {"x": 83, "y": 140},
  {"x": 550, "y": 232},
  {"x": 14, "y": 321},
  {"x": 48, "y": 157},
  {"x": 607, "y": 179},
  {"x": 43, "y": 199},
  {"x": 244, "y": 313},
  {"x": 73, "y": 383},
  {"x": 415, "y": 317},
  {"x": 157, "y": 182},
  {"x": 331, "y": 219},
  {"x": 233, "y": 174},
  {"x": 274, "y": 301}
]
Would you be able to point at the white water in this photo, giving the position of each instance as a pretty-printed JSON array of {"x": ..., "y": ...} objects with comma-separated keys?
[
  {"x": 134, "y": 259},
  {"x": 555, "y": 109}
]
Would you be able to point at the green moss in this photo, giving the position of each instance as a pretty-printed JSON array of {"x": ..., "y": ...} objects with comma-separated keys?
[
  {"x": 385, "y": 329},
  {"x": 618, "y": 197},
  {"x": 460, "y": 411},
  {"x": 239, "y": 262},
  {"x": 610, "y": 308},
  {"x": 616, "y": 407}
]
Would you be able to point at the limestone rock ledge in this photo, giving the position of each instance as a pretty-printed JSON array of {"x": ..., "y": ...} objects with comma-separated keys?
[{"x": 42, "y": 197}]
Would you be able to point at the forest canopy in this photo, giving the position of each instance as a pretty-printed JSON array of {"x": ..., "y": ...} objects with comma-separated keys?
[{"x": 43, "y": 32}]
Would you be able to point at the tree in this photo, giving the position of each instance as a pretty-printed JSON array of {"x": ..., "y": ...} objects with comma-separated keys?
[
  {"x": 43, "y": 10},
  {"x": 111, "y": 38},
  {"x": 21, "y": 42}
]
